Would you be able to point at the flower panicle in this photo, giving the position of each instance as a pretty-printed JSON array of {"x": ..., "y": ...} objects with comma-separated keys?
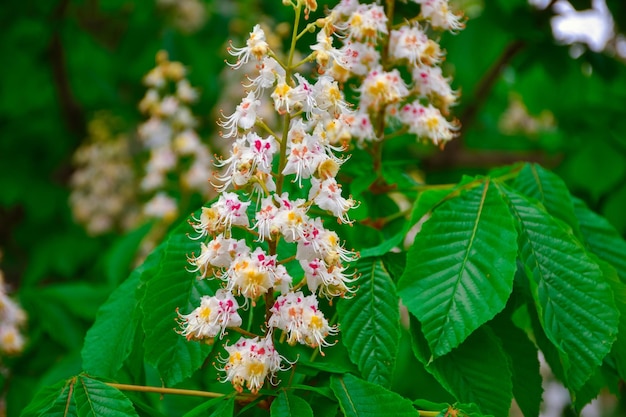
[{"x": 242, "y": 245}]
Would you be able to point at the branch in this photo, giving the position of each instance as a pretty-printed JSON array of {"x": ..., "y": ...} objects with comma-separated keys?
[
  {"x": 487, "y": 82},
  {"x": 70, "y": 109},
  {"x": 177, "y": 391}
]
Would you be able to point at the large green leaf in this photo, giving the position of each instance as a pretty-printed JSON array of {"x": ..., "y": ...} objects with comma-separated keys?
[
  {"x": 371, "y": 322},
  {"x": 358, "y": 398},
  {"x": 94, "y": 398},
  {"x": 524, "y": 364},
  {"x": 109, "y": 341},
  {"x": 460, "y": 269},
  {"x": 618, "y": 352},
  {"x": 545, "y": 186},
  {"x": 225, "y": 409},
  {"x": 54, "y": 400},
  {"x": 167, "y": 287},
  {"x": 602, "y": 238},
  {"x": 574, "y": 302},
  {"x": 290, "y": 405},
  {"x": 475, "y": 372}
]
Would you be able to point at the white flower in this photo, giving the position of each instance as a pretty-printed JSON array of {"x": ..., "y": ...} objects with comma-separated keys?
[
  {"x": 155, "y": 132},
  {"x": 208, "y": 223},
  {"x": 250, "y": 361},
  {"x": 11, "y": 340},
  {"x": 265, "y": 224},
  {"x": 367, "y": 21},
  {"x": 440, "y": 16},
  {"x": 169, "y": 106},
  {"x": 326, "y": 55},
  {"x": 161, "y": 206},
  {"x": 430, "y": 83},
  {"x": 291, "y": 217},
  {"x": 361, "y": 127},
  {"x": 330, "y": 281},
  {"x": 287, "y": 98},
  {"x": 381, "y": 88},
  {"x": 328, "y": 96},
  {"x": 255, "y": 45},
  {"x": 300, "y": 317},
  {"x": 219, "y": 252},
  {"x": 212, "y": 317},
  {"x": 319, "y": 242},
  {"x": 185, "y": 92},
  {"x": 253, "y": 274},
  {"x": 231, "y": 210},
  {"x": 410, "y": 43},
  {"x": 304, "y": 157},
  {"x": 269, "y": 71},
  {"x": 250, "y": 154},
  {"x": 327, "y": 195},
  {"x": 243, "y": 117},
  {"x": 427, "y": 122}
]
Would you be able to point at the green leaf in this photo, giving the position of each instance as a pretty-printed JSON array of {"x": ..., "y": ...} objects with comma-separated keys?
[
  {"x": 475, "y": 372},
  {"x": 602, "y": 238},
  {"x": 94, "y": 398},
  {"x": 574, "y": 303},
  {"x": 201, "y": 409},
  {"x": 385, "y": 246},
  {"x": 109, "y": 341},
  {"x": 524, "y": 364},
  {"x": 290, "y": 405},
  {"x": 602, "y": 378},
  {"x": 427, "y": 200},
  {"x": 121, "y": 255},
  {"x": 460, "y": 269},
  {"x": 54, "y": 400},
  {"x": 82, "y": 299},
  {"x": 371, "y": 322},
  {"x": 226, "y": 409},
  {"x": 618, "y": 352},
  {"x": 358, "y": 398},
  {"x": 168, "y": 287},
  {"x": 545, "y": 186}
]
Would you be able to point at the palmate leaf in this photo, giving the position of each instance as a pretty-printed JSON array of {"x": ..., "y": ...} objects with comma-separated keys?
[
  {"x": 475, "y": 372},
  {"x": 80, "y": 396},
  {"x": 460, "y": 269},
  {"x": 602, "y": 238},
  {"x": 290, "y": 405},
  {"x": 545, "y": 186},
  {"x": 524, "y": 364},
  {"x": 574, "y": 303},
  {"x": 94, "y": 398},
  {"x": 109, "y": 341},
  {"x": 618, "y": 351},
  {"x": 167, "y": 287},
  {"x": 54, "y": 400},
  {"x": 371, "y": 322},
  {"x": 358, "y": 398}
]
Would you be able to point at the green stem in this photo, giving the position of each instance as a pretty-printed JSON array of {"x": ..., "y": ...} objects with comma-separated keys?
[
  {"x": 423, "y": 413},
  {"x": 306, "y": 29},
  {"x": 244, "y": 332},
  {"x": 178, "y": 391},
  {"x": 309, "y": 58},
  {"x": 260, "y": 123},
  {"x": 294, "y": 38}
]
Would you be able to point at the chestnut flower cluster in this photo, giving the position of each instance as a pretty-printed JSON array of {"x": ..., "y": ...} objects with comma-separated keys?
[
  {"x": 277, "y": 178},
  {"x": 104, "y": 183},
  {"x": 372, "y": 50},
  {"x": 169, "y": 135},
  {"x": 12, "y": 321}
]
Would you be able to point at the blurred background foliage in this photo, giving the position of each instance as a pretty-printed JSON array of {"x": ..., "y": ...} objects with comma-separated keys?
[{"x": 524, "y": 97}]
